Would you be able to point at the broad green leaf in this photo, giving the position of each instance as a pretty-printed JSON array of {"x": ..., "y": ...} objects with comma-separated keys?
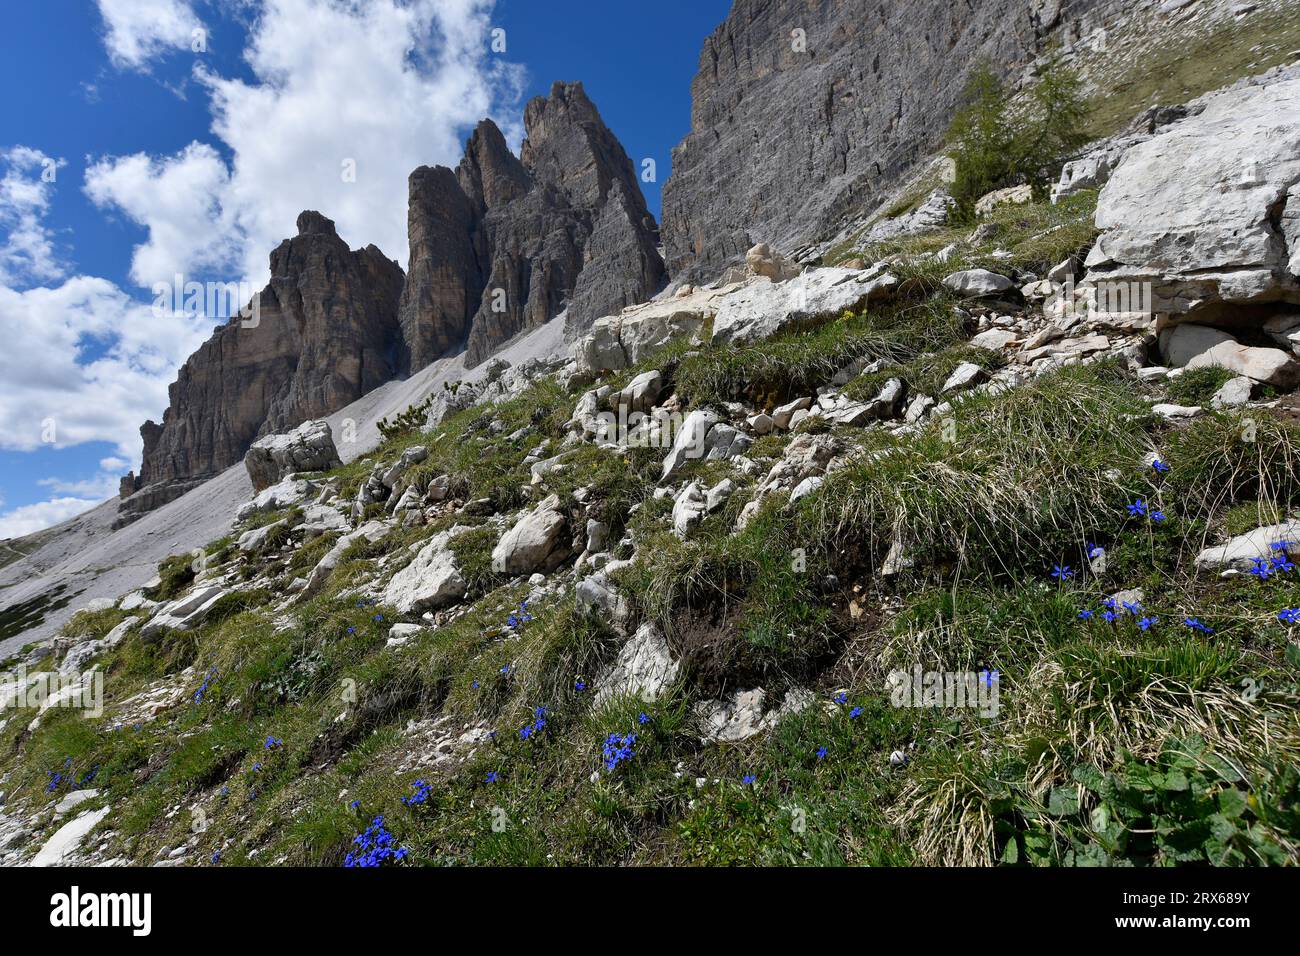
[
  {"x": 1063, "y": 801},
  {"x": 1232, "y": 803},
  {"x": 1011, "y": 852}
]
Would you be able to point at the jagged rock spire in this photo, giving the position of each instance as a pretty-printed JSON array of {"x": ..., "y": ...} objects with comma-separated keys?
[
  {"x": 506, "y": 243},
  {"x": 321, "y": 336}
]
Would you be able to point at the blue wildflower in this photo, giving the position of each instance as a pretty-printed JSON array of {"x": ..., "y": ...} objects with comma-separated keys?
[
  {"x": 1262, "y": 569},
  {"x": 537, "y": 726},
  {"x": 1062, "y": 573},
  {"x": 1138, "y": 508},
  {"x": 421, "y": 794},
  {"x": 1195, "y": 624},
  {"x": 377, "y": 846},
  {"x": 617, "y": 748},
  {"x": 1159, "y": 466}
]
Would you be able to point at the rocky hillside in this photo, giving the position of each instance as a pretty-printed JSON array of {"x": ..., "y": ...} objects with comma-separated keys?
[
  {"x": 322, "y": 336},
  {"x": 979, "y": 547},
  {"x": 806, "y": 114},
  {"x": 498, "y": 247},
  {"x": 807, "y": 118},
  {"x": 504, "y": 244}
]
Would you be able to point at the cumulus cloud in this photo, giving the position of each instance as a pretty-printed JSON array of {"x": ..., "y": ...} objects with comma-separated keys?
[
  {"x": 90, "y": 364},
  {"x": 27, "y": 178},
  {"x": 28, "y": 519},
  {"x": 177, "y": 199},
  {"x": 345, "y": 100},
  {"x": 139, "y": 30}
]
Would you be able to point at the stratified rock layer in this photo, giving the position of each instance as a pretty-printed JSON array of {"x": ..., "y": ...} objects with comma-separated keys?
[
  {"x": 1208, "y": 212},
  {"x": 808, "y": 111},
  {"x": 321, "y": 337},
  {"x": 505, "y": 243}
]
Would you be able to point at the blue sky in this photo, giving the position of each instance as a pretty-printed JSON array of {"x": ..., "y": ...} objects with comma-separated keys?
[{"x": 147, "y": 139}]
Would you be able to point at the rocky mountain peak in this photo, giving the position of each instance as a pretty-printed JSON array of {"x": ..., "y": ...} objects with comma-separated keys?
[
  {"x": 490, "y": 174},
  {"x": 310, "y": 222},
  {"x": 320, "y": 336},
  {"x": 500, "y": 245},
  {"x": 569, "y": 146},
  {"x": 505, "y": 243}
]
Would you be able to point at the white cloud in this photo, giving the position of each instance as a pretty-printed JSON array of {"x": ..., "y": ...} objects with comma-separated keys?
[
  {"x": 177, "y": 200},
  {"x": 99, "y": 488},
  {"x": 378, "y": 86},
  {"x": 36, "y": 517},
  {"x": 139, "y": 30},
  {"x": 86, "y": 363},
  {"x": 382, "y": 86},
  {"x": 27, "y": 179}
]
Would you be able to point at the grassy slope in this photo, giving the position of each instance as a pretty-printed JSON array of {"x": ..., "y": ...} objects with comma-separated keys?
[{"x": 1112, "y": 743}]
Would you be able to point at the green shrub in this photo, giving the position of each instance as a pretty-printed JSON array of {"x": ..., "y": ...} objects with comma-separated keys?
[
  {"x": 1196, "y": 386},
  {"x": 996, "y": 142},
  {"x": 1008, "y": 482}
]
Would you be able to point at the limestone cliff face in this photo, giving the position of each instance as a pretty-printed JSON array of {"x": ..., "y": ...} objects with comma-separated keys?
[
  {"x": 503, "y": 244},
  {"x": 326, "y": 332},
  {"x": 500, "y": 245},
  {"x": 791, "y": 132}
]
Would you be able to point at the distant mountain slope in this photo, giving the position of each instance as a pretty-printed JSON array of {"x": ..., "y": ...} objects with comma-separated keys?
[
  {"x": 84, "y": 558},
  {"x": 805, "y": 112}
]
